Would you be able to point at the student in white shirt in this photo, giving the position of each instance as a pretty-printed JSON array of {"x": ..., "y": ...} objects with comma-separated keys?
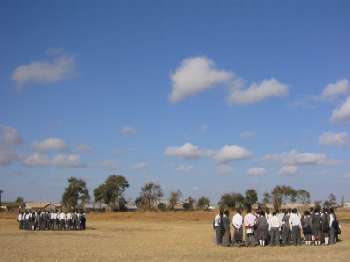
[
  {"x": 295, "y": 225},
  {"x": 274, "y": 228},
  {"x": 237, "y": 223},
  {"x": 219, "y": 227},
  {"x": 249, "y": 223}
]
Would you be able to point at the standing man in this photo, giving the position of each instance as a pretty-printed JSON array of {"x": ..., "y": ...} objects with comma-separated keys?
[
  {"x": 249, "y": 223},
  {"x": 295, "y": 225},
  {"x": 274, "y": 228},
  {"x": 218, "y": 226},
  {"x": 237, "y": 223},
  {"x": 285, "y": 229}
]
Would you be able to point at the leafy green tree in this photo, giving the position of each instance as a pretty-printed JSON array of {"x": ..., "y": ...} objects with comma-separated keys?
[
  {"x": 266, "y": 198},
  {"x": 251, "y": 197},
  {"x": 189, "y": 203},
  {"x": 99, "y": 194},
  {"x": 75, "y": 194},
  {"x": 303, "y": 196},
  {"x": 203, "y": 203},
  {"x": 19, "y": 200}
]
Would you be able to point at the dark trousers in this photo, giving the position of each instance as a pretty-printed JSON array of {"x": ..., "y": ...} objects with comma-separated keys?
[
  {"x": 275, "y": 236},
  {"x": 285, "y": 235},
  {"x": 218, "y": 235},
  {"x": 332, "y": 236},
  {"x": 296, "y": 235}
]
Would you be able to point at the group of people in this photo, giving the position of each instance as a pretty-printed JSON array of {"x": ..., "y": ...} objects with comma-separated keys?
[
  {"x": 51, "y": 220},
  {"x": 277, "y": 228}
]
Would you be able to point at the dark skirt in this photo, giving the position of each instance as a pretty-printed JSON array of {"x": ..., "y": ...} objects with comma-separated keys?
[
  {"x": 261, "y": 233},
  {"x": 226, "y": 240},
  {"x": 307, "y": 230}
]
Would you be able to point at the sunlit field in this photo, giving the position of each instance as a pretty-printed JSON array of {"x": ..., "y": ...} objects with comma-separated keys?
[{"x": 138, "y": 236}]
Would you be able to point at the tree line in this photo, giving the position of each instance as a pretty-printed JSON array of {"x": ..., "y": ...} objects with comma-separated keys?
[{"x": 110, "y": 194}]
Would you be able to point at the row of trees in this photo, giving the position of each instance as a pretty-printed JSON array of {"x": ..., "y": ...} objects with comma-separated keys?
[{"x": 111, "y": 193}]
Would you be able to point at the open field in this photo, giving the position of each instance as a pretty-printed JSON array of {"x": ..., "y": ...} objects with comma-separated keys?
[{"x": 179, "y": 236}]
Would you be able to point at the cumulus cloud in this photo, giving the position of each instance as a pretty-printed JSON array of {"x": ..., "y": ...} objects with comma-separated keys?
[
  {"x": 195, "y": 75},
  {"x": 184, "y": 168},
  {"x": 336, "y": 139},
  {"x": 288, "y": 170},
  {"x": 295, "y": 158},
  {"x": 230, "y": 153},
  {"x": 7, "y": 157},
  {"x": 59, "y": 67},
  {"x": 71, "y": 160},
  {"x": 128, "y": 130},
  {"x": 49, "y": 144},
  {"x": 256, "y": 171},
  {"x": 36, "y": 159},
  {"x": 9, "y": 135},
  {"x": 342, "y": 113},
  {"x": 341, "y": 87},
  {"x": 139, "y": 166},
  {"x": 186, "y": 151},
  {"x": 247, "y": 134},
  {"x": 258, "y": 92}
]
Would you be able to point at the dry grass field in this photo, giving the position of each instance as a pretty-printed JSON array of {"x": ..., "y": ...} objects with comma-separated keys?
[{"x": 178, "y": 236}]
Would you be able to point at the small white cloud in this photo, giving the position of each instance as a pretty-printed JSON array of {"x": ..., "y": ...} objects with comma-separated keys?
[
  {"x": 195, "y": 75},
  {"x": 336, "y": 139},
  {"x": 71, "y": 160},
  {"x": 36, "y": 159},
  {"x": 9, "y": 135},
  {"x": 128, "y": 130},
  {"x": 186, "y": 151},
  {"x": 258, "y": 92},
  {"x": 83, "y": 148},
  {"x": 342, "y": 113},
  {"x": 341, "y": 87},
  {"x": 256, "y": 171},
  {"x": 247, "y": 134},
  {"x": 224, "y": 170},
  {"x": 230, "y": 153},
  {"x": 61, "y": 67},
  {"x": 184, "y": 168},
  {"x": 139, "y": 166},
  {"x": 288, "y": 170},
  {"x": 295, "y": 158},
  {"x": 49, "y": 144}
]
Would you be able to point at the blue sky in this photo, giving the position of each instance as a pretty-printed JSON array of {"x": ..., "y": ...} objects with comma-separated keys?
[{"x": 203, "y": 96}]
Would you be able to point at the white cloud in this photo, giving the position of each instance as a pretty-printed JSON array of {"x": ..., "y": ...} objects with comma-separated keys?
[
  {"x": 230, "y": 153},
  {"x": 247, "y": 134},
  {"x": 342, "y": 113},
  {"x": 224, "y": 170},
  {"x": 258, "y": 92},
  {"x": 337, "y": 139},
  {"x": 256, "y": 171},
  {"x": 51, "y": 143},
  {"x": 288, "y": 170},
  {"x": 184, "y": 168},
  {"x": 128, "y": 130},
  {"x": 36, "y": 159},
  {"x": 186, "y": 151},
  {"x": 341, "y": 87},
  {"x": 7, "y": 157},
  {"x": 294, "y": 158},
  {"x": 83, "y": 148},
  {"x": 61, "y": 67},
  {"x": 10, "y": 135},
  {"x": 195, "y": 75},
  {"x": 139, "y": 166},
  {"x": 71, "y": 160}
]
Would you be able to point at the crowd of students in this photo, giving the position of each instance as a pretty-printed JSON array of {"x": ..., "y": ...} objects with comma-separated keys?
[
  {"x": 261, "y": 228},
  {"x": 51, "y": 220}
]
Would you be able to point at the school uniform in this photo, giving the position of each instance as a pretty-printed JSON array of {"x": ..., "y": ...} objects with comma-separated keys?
[
  {"x": 274, "y": 228},
  {"x": 249, "y": 223},
  {"x": 219, "y": 228},
  {"x": 332, "y": 229},
  {"x": 307, "y": 227},
  {"x": 285, "y": 229},
  {"x": 261, "y": 228},
  {"x": 20, "y": 221},
  {"x": 316, "y": 226},
  {"x": 226, "y": 239},
  {"x": 295, "y": 225},
  {"x": 237, "y": 223}
]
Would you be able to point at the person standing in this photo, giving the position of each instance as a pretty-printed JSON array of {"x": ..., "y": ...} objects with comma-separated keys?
[
  {"x": 249, "y": 223},
  {"x": 261, "y": 228},
  {"x": 307, "y": 227},
  {"x": 218, "y": 227},
  {"x": 285, "y": 228},
  {"x": 333, "y": 226},
  {"x": 20, "y": 220},
  {"x": 295, "y": 226},
  {"x": 316, "y": 226},
  {"x": 274, "y": 228},
  {"x": 325, "y": 226},
  {"x": 237, "y": 223},
  {"x": 226, "y": 239}
]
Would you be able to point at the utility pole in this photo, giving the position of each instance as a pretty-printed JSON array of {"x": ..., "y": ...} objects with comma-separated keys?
[{"x": 1, "y": 191}]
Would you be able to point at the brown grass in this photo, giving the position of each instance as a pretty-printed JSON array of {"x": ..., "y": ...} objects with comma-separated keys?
[{"x": 147, "y": 236}]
